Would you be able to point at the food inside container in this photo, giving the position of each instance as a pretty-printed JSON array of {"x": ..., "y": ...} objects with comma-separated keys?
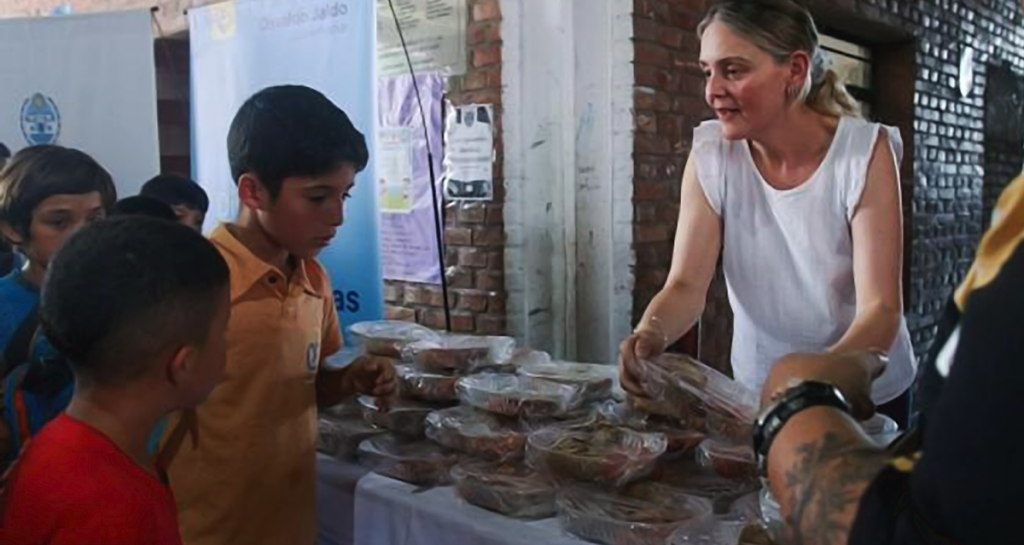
[
  {"x": 459, "y": 353},
  {"x": 339, "y": 437},
  {"x": 729, "y": 460},
  {"x": 605, "y": 454},
  {"x": 480, "y": 434},
  {"x": 403, "y": 417},
  {"x": 689, "y": 476},
  {"x": 425, "y": 386},
  {"x": 512, "y": 489},
  {"x": 513, "y": 395},
  {"x": 388, "y": 338},
  {"x": 643, "y": 514},
  {"x": 595, "y": 380},
  {"x": 697, "y": 395},
  {"x": 416, "y": 462}
]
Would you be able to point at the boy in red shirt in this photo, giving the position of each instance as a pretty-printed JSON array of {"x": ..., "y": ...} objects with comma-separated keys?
[{"x": 144, "y": 330}]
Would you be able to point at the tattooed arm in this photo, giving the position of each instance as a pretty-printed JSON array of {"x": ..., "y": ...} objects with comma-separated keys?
[{"x": 819, "y": 466}]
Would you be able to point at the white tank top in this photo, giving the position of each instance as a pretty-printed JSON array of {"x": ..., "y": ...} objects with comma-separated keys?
[{"x": 788, "y": 255}]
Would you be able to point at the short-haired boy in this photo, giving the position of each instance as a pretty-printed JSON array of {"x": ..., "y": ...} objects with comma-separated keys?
[
  {"x": 251, "y": 479},
  {"x": 146, "y": 206},
  {"x": 183, "y": 195},
  {"x": 46, "y": 194},
  {"x": 144, "y": 330}
]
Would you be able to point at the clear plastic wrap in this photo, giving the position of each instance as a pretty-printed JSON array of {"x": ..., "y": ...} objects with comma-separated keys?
[
  {"x": 881, "y": 429},
  {"x": 340, "y": 437},
  {"x": 480, "y": 434},
  {"x": 388, "y": 338},
  {"x": 643, "y": 514},
  {"x": 729, "y": 460},
  {"x": 511, "y": 489},
  {"x": 416, "y": 462},
  {"x": 687, "y": 475},
  {"x": 604, "y": 454},
  {"x": 683, "y": 388},
  {"x": 459, "y": 353},
  {"x": 349, "y": 408},
  {"x": 771, "y": 514},
  {"x": 513, "y": 395},
  {"x": 595, "y": 380},
  {"x": 406, "y": 418},
  {"x": 425, "y": 386}
]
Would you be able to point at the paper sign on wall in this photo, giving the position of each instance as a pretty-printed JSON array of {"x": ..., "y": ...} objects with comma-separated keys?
[
  {"x": 469, "y": 153},
  {"x": 435, "y": 33}
]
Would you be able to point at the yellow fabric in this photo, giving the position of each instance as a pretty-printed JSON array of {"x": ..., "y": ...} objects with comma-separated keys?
[
  {"x": 999, "y": 242},
  {"x": 251, "y": 479}
]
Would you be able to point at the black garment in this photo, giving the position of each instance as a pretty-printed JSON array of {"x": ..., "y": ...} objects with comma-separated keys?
[{"x": 966, "y": 485}]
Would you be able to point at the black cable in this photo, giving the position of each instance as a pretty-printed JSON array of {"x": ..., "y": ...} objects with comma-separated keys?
[{"x": 430, "y": 167}]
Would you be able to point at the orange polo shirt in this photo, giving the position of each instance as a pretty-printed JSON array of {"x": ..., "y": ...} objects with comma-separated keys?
[{"x": 251, "y": 480}]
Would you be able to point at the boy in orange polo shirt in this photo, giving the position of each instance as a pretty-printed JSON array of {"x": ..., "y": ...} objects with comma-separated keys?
[{"x": 251, "y": 476}]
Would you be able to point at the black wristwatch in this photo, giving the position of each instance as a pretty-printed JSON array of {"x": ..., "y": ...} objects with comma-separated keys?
[{"x": 794, "y": 400}]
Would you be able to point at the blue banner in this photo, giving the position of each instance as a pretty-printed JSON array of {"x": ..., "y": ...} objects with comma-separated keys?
[{"x": 241, "y": 47}]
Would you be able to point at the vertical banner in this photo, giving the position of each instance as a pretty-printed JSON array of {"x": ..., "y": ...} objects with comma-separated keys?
[
  {"x": 407, "y": 238},
  {"x": 241, "y": 47},
  {"x": 85, "y": 82}
]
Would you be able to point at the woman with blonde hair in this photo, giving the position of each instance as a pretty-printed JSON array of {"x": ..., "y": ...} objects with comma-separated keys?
[{"x": 801, "y": 199}]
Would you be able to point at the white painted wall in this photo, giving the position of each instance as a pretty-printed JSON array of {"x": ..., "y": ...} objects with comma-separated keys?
[{"x": 568, "y": 132}]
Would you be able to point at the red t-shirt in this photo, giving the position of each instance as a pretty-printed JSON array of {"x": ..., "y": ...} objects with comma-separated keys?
[{"x": 73, "y": 486}]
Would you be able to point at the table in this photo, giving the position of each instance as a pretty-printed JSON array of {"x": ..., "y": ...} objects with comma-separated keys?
[{"x": 356, "y": 507}]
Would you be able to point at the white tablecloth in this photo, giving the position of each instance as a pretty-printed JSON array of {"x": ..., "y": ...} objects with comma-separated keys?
[{"x": 356, "y": 508}]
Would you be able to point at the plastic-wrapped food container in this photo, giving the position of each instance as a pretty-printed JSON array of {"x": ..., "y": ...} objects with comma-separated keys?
[
  {"x": 881, "y": 429},
  {"x": 687, "y": 475},
  {"x": 388, "y": 338},
  {"x": 595, "y": 380},
  {"x": 415, "y": 462},
  {"x": 643, "y": 514},
  {"x": 728, "y": 460},
  {"x": 480, "y": 434},
  {"x": 511, "y": 489},
  {"x": 603, "y": 454},
  {"x": 459, "y": 353},
  {"x": 513, "y": 395},
  {"x": 341, "y": 437},
  {"x": 343, "y": 410},
  {"x": 406, "y": 418},
  {"x": 683, "y": 388},
  {"x": 425, "y": 386}
]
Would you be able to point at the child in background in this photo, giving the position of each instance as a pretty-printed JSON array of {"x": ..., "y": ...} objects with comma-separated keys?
[
  {"x": 183, "y": 195},
  {"x": 46, "y": 194},
  {"x": 251, "y": 477},
  {"x": 146, "y": 206},
  {"x": 144, "y": 330}
]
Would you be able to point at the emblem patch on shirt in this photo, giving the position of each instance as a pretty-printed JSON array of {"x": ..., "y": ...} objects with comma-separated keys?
[{"x": 312, "y": 356}]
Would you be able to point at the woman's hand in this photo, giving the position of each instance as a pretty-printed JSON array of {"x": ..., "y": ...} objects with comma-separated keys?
[
  {"x": 644, "y": 343},
  {"x": 852, "y": 374}
]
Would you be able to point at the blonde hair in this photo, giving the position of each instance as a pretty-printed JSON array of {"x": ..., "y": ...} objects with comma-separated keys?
[{"x": 781, "y": 28}]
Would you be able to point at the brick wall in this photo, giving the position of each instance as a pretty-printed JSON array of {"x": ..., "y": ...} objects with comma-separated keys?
[
  {"x": 1004, "y": 133},
  {"x": 918, "y": 43},
  {"x": 474, "y": 232}
]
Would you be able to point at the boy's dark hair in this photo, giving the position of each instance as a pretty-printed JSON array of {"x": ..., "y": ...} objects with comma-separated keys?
[
  {"x": 37, "y": 173},
  {"x": 177, "y": 191},
  {"x": 122, "y": 291},
  {"x": 291, "y": 130},
  {"x": 5, "y": 154},
  {"x": 144, "y": 206}
]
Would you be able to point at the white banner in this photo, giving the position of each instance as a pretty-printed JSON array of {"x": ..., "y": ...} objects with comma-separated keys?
[
  {"x": 86, "y": 82},
  {"x": 239, "y": 48}
]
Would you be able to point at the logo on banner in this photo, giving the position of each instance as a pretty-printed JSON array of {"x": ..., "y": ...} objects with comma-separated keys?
[
  {"x": 40, "y": 120},
  {"x": 222, "y": 21}
]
